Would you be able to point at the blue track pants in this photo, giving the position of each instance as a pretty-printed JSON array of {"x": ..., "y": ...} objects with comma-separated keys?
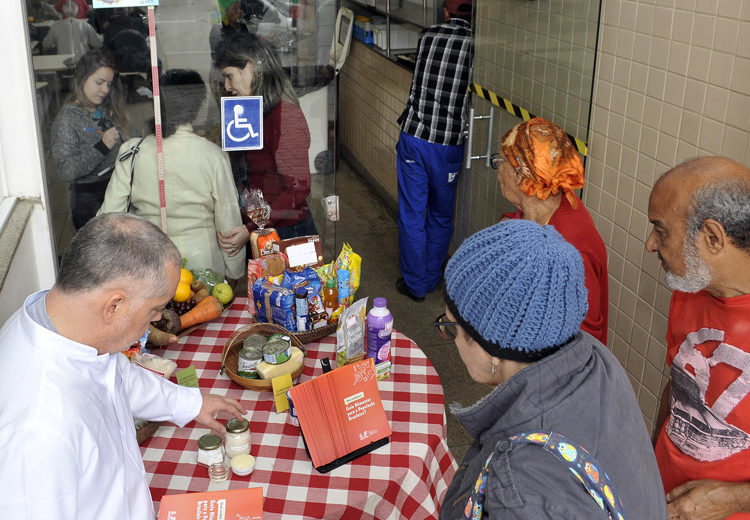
[{"x": 427, "y": 180}]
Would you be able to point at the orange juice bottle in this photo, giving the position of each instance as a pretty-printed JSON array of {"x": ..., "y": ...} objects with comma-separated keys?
[{"x": 330, "y": 297}]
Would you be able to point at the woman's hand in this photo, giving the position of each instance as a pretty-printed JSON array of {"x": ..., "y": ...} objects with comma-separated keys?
[
  {"x": 232, "y": 241},
  {"x": 110, "y": 137}
]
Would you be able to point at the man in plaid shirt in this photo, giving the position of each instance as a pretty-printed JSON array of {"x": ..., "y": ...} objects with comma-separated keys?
[{"x": 430, "y": 148}]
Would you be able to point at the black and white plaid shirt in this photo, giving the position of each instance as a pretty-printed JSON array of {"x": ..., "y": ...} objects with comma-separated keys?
[{"x": 435, "y": 109}]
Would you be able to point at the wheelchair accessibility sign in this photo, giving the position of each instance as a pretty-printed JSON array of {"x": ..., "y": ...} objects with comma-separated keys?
[{"x": 242, "y": 123}]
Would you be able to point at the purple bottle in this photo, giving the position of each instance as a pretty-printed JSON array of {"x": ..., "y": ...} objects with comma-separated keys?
[{"x": 379, "y": 327}]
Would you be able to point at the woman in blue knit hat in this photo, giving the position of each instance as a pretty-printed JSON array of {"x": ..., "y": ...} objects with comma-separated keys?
[{"x": 560, "y": 435}]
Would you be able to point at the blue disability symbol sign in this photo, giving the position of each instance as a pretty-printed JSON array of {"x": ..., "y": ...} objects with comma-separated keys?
[{"x": 242, "y": 123}]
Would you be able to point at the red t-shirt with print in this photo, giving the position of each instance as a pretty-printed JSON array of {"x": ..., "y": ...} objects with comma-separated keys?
[{"x": 707, "y": 433}]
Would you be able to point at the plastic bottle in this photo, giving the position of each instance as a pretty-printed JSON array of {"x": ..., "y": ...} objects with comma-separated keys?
[
  {"x": 330, "y": 297},
  {"x": 379, "y": 328},
  {"x": 301, "y": 311},
  {"x": 343, "y": 275}
]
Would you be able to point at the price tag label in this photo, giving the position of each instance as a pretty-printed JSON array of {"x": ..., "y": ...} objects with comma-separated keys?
[
  {"x": 280, "y": 385},
  {"x": 187, "y": 377}
]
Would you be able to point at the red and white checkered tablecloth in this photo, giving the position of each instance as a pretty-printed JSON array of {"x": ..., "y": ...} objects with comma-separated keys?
[{"x": 405, "y": 479}]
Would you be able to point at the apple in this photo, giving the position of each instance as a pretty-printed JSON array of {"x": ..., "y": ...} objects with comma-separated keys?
[{"x": 223, "y": 293}]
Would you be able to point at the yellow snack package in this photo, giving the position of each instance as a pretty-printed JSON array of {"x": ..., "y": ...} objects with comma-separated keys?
[{"x": 352, "y": 262}]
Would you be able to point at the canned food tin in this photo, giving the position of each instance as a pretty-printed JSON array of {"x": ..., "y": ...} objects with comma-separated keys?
[
  {"x": 247, "y": 362},
  {"x": 254, "y": 341},
  {"x": 277, "y": 351},
  {"x": 275, "y": 336}
]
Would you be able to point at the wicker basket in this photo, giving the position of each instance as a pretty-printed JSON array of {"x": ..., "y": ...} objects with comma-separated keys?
[
  {"x": 234, "y": 344},
  {"x": 316, "y": 334},
  {"x": 145, "y": 429}
]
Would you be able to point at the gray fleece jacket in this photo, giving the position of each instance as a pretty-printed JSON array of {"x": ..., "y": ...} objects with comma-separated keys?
[
  {"x": 581, "y": 392},
  {"x": 77, "y": 148}
]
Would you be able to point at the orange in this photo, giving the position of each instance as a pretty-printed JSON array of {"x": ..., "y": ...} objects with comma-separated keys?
[
  {"x": 186, "y": 276},
  {"x": 183, "y": 292}
]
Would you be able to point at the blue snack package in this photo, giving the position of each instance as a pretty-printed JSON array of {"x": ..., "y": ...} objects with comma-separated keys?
[
  {"x": 307, "y": 279},
  {"x": 274, "y": 304}
]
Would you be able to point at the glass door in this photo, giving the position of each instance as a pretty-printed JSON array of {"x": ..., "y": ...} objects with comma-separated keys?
[{"x": 298, "y": 33}]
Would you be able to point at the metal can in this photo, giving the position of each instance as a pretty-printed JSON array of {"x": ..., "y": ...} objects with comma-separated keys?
[
  {"x": 247, "y": 362},
  {"x": 254, "y": 341},
  {"x": 275, "y": 336},
  {"x": 277, "y": 351},
  {"x": 210, "y": 450},
  {"x": 292, "y": 412}
]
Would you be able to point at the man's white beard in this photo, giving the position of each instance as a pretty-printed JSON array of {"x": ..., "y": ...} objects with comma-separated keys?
[{"x": 697, "y": 274}]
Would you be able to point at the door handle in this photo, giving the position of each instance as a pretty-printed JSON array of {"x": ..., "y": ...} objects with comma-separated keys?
[{"x": 470, "y": 133}]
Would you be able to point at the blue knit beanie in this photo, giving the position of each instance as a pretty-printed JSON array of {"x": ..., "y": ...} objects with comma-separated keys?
[{"x": 517, "y": 289}]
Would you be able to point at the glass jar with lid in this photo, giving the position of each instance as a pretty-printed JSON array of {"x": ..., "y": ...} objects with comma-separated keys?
[
  {"x": 210, "y": 450},
  {"x": 237, "y": 437}
]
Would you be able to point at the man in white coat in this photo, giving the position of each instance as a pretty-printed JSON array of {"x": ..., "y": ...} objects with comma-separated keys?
[{"x": 68, "y": 398}]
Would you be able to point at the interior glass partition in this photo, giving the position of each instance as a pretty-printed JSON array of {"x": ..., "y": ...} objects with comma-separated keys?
[{"x": 299, "y": 33}]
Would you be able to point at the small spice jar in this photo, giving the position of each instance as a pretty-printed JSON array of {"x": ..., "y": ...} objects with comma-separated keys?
[
  {"x": 218, "y": 471},
  {"x": 210, "y": 450},
  {"x": 237, "y": 437}
]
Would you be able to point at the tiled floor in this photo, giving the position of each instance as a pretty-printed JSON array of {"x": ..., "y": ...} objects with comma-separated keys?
[{"x": 373, "y": 233}]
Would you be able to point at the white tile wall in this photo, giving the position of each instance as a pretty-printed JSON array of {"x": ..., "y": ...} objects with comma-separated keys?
[{"x": 689, "y": 69}]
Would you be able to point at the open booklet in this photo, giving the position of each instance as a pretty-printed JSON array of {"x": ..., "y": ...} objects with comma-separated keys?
[
  {"x": 246, "y": 504},
  {"x": 341, "y": 415}
]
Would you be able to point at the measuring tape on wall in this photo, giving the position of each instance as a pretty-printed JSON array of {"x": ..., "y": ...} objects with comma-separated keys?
[
  {"x": 519, "y": 112},
  {"x": 157, "y": 118}
]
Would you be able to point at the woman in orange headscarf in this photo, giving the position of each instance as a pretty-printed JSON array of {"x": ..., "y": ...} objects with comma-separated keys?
[{"x": 539, "y": 170}]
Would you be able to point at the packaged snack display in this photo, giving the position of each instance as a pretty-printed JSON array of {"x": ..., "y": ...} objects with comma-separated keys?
[
  {"x": 350, "y": 334},
  {"x": 302, "y": 270}
]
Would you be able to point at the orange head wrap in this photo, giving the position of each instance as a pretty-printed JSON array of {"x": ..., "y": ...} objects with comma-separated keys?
[{"x": 546, "y": 159}]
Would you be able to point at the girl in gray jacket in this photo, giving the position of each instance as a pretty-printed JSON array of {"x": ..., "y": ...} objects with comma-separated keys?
[{"x": 87, "y": 132}]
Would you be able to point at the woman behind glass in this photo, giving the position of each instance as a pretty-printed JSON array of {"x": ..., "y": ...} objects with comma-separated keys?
[
  {"x": 87, "y": 132},
  {"x": 201, "y": 198},
  {"x": 281, "y": 169}
]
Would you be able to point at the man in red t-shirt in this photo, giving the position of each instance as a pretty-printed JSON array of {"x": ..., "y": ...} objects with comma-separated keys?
[{"x": 700, "y": 211}]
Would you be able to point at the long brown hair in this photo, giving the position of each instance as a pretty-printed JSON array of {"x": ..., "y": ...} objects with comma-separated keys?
[
  {"x": 269, "y": 79},
  {"x": 113, "y": 105}
]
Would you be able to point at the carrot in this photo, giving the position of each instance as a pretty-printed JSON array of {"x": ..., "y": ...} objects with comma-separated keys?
[
  {"x": 205, "y": 310},
  {"x": 159, "y": 338}
]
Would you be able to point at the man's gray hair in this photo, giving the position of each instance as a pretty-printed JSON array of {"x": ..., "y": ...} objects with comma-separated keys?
[
  {"x": 117, "y": 246},
  {"x": 70, "y": 9},
  {"x": 727, "y": 202}
]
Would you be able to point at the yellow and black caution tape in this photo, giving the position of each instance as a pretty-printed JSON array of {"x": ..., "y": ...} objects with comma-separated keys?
[{"x": 517, "y": 111}]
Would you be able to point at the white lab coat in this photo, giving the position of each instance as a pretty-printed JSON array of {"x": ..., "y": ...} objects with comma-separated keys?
[{"x": 68, "y": 448}]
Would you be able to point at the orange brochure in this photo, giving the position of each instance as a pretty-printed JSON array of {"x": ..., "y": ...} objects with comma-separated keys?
[
  {"x": 219, "y": 505},
  {"x": 341, "y": 415}
]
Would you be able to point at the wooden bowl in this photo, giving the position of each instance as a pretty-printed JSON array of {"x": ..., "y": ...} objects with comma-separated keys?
[{"x": 234, "y": 344}]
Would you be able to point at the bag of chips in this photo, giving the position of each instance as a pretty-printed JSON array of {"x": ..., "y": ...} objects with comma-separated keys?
[
  {"x": 352, "y": 262},
  {"x": 350, "y": 334}
]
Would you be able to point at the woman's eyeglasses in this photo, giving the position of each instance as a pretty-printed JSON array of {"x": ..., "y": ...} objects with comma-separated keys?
[
  {"x": 446, "y": 329},
  {"x": 496, "y": 160}
]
